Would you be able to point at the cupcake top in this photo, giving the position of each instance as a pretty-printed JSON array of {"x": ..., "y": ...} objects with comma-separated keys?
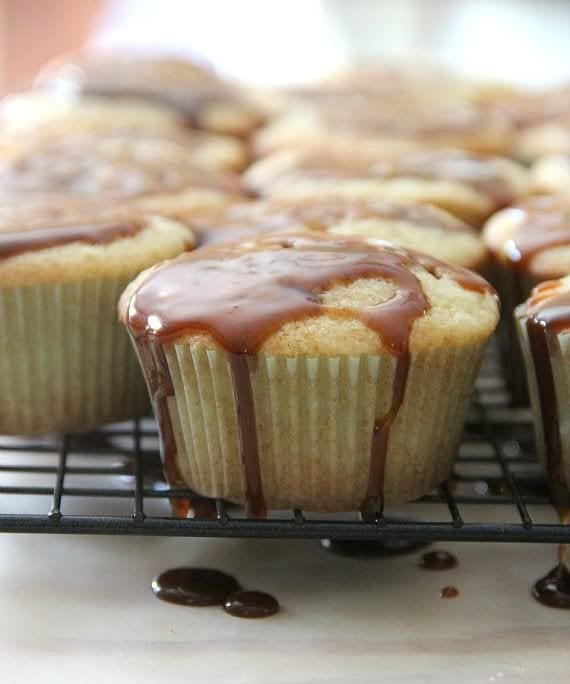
[
  {"x": 205, "y": 100},
  {"x": 309, "y": 294},
  {"x": 415, "y": 116},
  {"x": 215, "y": 153},
  {"x": 500, "y": 180},
  {"x": 533, "y": 236},
  {"x": 38, "y": 112},
  {"x": 550, "y": 137},
  {"x": 551, "y": 174},
  {"x": 112, "y": 71},
  {"x": 115, "y": 164},
  {"x": 416, "y": 226},
  {"x": 80, "y": 242}
]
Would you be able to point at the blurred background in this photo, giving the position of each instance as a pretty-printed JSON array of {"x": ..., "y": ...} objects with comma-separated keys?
[{"x": 291, "y": 41}]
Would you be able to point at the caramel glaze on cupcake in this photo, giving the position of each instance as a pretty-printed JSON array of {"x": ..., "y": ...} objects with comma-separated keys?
[
  {"x": 410, "y": 225},
  {"x": 469, "y": 185},
  {"x": 532, "y": 238},
  {"x": 212, "y": 153},
  {"x": 150, "y": 175},
  {"x": 232, "y": 335},
  {"x": 203, "y": 98},
  {"x": 543, "y": 326},
  {"x": 106, "y": 164}
]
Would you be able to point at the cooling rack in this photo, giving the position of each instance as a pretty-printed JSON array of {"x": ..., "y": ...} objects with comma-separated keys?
[{"x": 110, "y": 482}]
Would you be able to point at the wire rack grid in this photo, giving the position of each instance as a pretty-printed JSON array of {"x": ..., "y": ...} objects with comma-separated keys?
[{"x": 110, "y": 482}]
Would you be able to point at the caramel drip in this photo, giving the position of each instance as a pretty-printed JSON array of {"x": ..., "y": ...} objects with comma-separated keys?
[
  {"x": 449, "y": 592},
  {"x": 373, "y": 500},
  {"x": 554, "y": 589},
  {"x": 15, "y": 243},
  {"x": 251, "y": 604},
  {"x": 241, "y": 294},
  {"x": 358, "y": 548},
  {"x": 194, "y": 586},
  {"x": 550, "y": 317},
  {"x": 437, "y": 560},
  {"x": 255, "y": 504}
]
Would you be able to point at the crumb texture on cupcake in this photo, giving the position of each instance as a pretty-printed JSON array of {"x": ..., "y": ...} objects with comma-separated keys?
[{"x": 303, "y": 365}]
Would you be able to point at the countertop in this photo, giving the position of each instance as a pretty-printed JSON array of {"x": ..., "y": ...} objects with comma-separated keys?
[{"x": 81, "y": 609}]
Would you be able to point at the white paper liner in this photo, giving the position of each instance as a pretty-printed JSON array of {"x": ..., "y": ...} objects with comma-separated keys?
[
  {"x": 315, "y": 418},
  {"x": 66, "y": 362}
]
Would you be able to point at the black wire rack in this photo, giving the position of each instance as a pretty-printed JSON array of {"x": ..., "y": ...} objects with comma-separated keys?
[{"x": 110, "y": 482}]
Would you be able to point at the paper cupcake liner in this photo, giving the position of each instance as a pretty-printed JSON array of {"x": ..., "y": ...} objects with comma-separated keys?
[
  {"x": 66, "y": 362},
  {"x": 513, "y": 288},
  {"x": 559, "y": 348},
  {"x": 315, "y": 420}
]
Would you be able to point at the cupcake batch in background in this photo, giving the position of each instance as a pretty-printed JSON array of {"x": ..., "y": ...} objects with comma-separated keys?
[{"x": 291, "y": 268}]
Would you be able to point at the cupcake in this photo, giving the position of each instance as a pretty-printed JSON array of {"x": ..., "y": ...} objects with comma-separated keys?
[
  {"x": 551, "y": 174},
  {"x": 206, "y": 101},
  {"x": 35, "y": 112},
  {"x": 550, "y": 137},
  {"x": 307, "y": 370},
  {"x": 153, "y": 175},
  {"x": 543, "y": 325},
  {"x": 67, "y": 363},
  {"x": 211, "y": 153},
  {"x": 529, "y": 243},
  {"x": 416, "y": 117},
  {"x": 414, "y": 226},
  {"x": 469, "y": 185}
]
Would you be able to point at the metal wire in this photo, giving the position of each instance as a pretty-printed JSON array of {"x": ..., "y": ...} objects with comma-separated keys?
[{"x": 495, "y": 466}]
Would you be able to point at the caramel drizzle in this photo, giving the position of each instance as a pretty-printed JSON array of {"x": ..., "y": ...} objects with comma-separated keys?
[
  {"x": 551, "y": 317},
  {"x": 242, "y": 294},
  {"x": 19, "y": 242}
]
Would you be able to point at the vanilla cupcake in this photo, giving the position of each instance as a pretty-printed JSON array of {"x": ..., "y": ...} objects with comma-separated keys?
[
  {"x": 153, "y": 176},
  {"x": 529, "y": 243},
  {"x": 207, "y": 101},
  {"x": 67, "y": 363},
  {"x": 35, "y": 112},
  {"x": 413, "y": 226},
  {"x": 309, "y": 371},
  {"x": 469, "y": 185},
  {"x": 549, "y": 137},
  {"x": 416, "y": 117},
  {"x": 211, "y": 153},
  {"x": 551, "y": 174},
  {"x": 543, "y": 325}
]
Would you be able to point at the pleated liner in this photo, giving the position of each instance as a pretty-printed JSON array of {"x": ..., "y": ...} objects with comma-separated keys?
[
  {"x": 66, "y": 362},
  {"x": 315, "y": 419}
]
